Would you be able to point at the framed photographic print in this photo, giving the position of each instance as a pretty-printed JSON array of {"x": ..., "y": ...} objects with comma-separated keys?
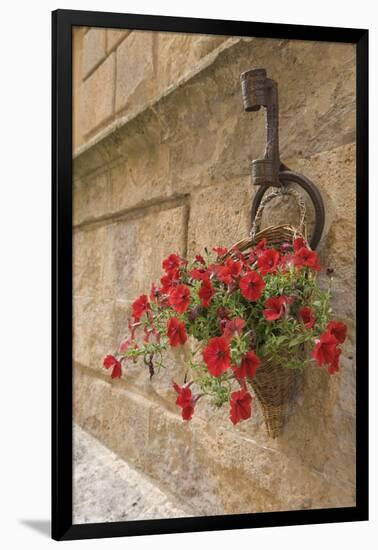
[{"x": 210, "y": 191}]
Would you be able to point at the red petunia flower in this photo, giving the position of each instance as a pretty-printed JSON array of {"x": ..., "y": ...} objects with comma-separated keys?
[
  {"x": 261, "y": 245},
  {"x": 206, "y": 293},
  {"x": 179, "y": 298},
  {"x": 252, "y": 256},
  {"x": 276, "y": 307},
  {"x": 241, "y": 405},
  {"x": 200, "y": 259},
  {"x": 338, "y": 330},
  {"x": 268, "y": 261},
  {"x": 248, "y": 366},
  {"x": 233, "y": 328},
  {"x": 140, "y": 306},
  {"x": 185, "y": 400},
  {"x": 176, "y": 332},
  {"x": 200, "y": 274},
  {"x": 172, "y": 263},
  {"x": 220, "y": 251},
  {"x": 334, "y": 366},
  {"x": 111, "y": 361},
  {"x": 307, "y": 315},
  {"x": 325, "y": 350},
  {"x": 232, "y": 269},
  {"x": 169, "y": 281},
  {"x": 299, "y": 243},
  {"x": 217, "y": 356},
  {"x": 304, "y": 257},
  {"x": 251, "y": 286}
]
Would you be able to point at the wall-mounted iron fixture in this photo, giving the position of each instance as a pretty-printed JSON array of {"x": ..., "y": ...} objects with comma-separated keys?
[{"x": 259, "y": 91}]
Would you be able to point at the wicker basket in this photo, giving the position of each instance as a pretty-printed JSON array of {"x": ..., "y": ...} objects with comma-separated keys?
[{"x": 275, "y": 386}]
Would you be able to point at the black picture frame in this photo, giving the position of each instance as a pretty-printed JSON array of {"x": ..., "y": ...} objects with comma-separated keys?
[{"x": 62, "y": 23}]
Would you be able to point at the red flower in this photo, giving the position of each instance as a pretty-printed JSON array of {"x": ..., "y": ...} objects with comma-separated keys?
[
  {"x": 233, "y": 327},
  {"x": 200, "y": 259},
  {"x": 229, "y": 271},
  {"x": 268, "y": 261},
  {"x": 261, "y": 244},
  {"x": 251, "y": 286},
  {"x": 248, "y": 366},
  {"x": 299, "y": 243},
  {"x": 185, "y": 400},
  {"x": 252, "y": 256},
  {"x": 111, "y": 361},
  {"x": 140, "y": 306},
  {"x": 334, "y": 366},
  {"x": 276, "y": 307},
  {"x": 169, "y": 280},
  {"x": 221, "y": 251},
  {"x": 307, "y": 316},
  {"x": 338, "y": 330},
  {"x": 325, "y": 350},
  {"x": 241, "y": 408},
  {"x": 304, "y": 257},
  {"x": 206, "y": 293},
  {"x": 179, "y": 298},
  {"x": 172, "y": 263},
  {"x": 217, "y": 356},
  {"x": 176, "y": 332},
  {"x": 238, "y": 254},
  {"x": 200, "y": 274}
]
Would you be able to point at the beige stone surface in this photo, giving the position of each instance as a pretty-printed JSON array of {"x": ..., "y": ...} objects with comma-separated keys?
[
  {"x": 135, "y": 83},
  {"x": 106, "y": 488},
  {"x": 77, "y": 61},
  {"x": 177, "y": 53},
  {"x": 114, "y": 37},
  {"x": 94, "y": 49},
  {"x": 220, "y": 470},
  {"x": 170, "y": 172},
  {"x": 113, "y": 264},
  {"x": 99, "y": 87}
]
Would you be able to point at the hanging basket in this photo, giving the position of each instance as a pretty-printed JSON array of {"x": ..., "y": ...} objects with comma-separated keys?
[{"x": 275, "y": 386}]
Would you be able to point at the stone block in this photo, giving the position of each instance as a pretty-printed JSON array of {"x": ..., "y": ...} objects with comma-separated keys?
[
  {"x": 93, "y": 332},
  {"x": 135, "y": 83},
  {"x": 91, "y": 197},
  {"x": 178, "y": 53},
  {"x": 88, "y": 253},
  {"x": 94, "y": 50},
  {"x": 114, "y": 37},
  {"x": 135, "y": 248},
  {"x": 141, "y": 179},
  {"x": 97, "y": 96},
  {"x": 108, "y": 412},
  {"x": 219, "y": 215}
]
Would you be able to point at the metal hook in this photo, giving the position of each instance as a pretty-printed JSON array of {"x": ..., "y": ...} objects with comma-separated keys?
[{"x": 259, "y": 91}]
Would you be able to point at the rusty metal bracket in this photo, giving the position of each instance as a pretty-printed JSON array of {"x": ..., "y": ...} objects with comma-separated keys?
[{"x": 259, "y": 91}]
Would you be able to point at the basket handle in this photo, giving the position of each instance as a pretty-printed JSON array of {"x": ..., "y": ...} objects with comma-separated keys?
[{"x": 276, "y": 193}]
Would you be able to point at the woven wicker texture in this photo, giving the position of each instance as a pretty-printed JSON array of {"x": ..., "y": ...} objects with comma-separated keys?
[{"x": 275, "y": 386}]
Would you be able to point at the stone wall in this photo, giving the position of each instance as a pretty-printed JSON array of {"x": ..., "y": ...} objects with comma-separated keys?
[{"x": 161, "y": 164}]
